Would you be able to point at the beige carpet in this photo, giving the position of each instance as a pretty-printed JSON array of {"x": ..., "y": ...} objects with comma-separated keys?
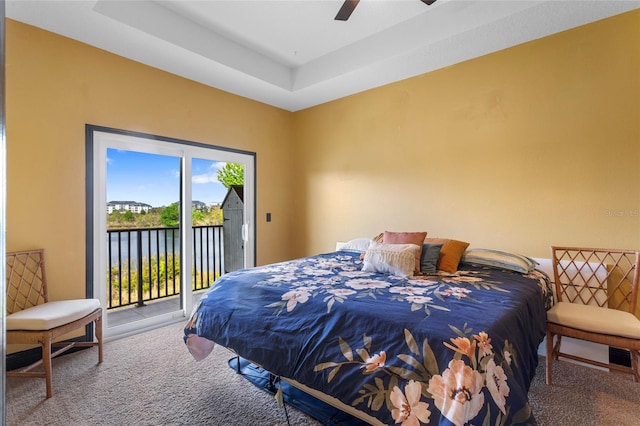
[{"x": 151, "y": 379}]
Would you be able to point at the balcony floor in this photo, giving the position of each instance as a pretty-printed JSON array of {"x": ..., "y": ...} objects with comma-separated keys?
[{"x": 132, "y": 313}]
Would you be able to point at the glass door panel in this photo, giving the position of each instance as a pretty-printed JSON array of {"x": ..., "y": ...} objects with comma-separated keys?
[
  {"x": 208, "y": 244},
  {"x": 143, "y": 236}
]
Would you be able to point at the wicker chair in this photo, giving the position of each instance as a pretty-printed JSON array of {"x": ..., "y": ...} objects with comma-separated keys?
[
  {"x": 32, "y": 319},
  {"x": 597, "y": 292}
]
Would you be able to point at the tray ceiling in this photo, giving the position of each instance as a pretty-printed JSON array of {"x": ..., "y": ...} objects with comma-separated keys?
[{"x": 293, "y": 54}]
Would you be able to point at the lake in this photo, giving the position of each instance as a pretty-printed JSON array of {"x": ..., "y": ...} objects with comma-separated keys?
[{"x": 151, "y": 242}]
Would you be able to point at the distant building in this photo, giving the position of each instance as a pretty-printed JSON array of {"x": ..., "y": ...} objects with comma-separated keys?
[
  {"x": 132, "y": 206},
  {"x": 136, "y": 207}
]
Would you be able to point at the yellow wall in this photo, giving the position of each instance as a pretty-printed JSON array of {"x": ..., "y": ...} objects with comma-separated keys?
[
  {"x": 54, "y": 86},
  {"x": 531, "y": 146},
  {"x": 535, "y": 145}
]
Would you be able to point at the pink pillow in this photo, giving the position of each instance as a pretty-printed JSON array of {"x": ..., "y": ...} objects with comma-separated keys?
[{"x": 416, "y": 238}]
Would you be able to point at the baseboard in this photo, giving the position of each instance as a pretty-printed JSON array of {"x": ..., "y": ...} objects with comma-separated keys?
[
  {"x": 27, "y": 357},
  {"x": 21, "y": 359},
  {"x": 602, "y": 353},
  {"x": 620, "y": 357}
]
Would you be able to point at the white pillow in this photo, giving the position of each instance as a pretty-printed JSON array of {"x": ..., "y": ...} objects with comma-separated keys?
[
  {"x": 358, "y": 245},
  {"x": 394, "y": 259},
  {"x": 500, "y": 259}
]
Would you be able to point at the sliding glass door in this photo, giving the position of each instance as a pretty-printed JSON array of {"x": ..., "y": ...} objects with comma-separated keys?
[{"x": 156, "y": 234}]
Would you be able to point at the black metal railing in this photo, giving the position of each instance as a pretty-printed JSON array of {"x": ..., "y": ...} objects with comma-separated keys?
[{"x": 144, "y": 263}]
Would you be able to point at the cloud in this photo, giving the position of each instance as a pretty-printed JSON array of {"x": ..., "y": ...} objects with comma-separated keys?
[
  {"x": 204, "y": 178},
  {"x": 210, "y": 176}
]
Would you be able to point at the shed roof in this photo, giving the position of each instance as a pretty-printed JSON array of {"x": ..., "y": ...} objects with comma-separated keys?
[{"x": 238, "y": 189}]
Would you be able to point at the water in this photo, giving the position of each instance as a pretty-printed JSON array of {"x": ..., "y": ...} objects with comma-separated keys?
[{"x": 158, "y": 241}]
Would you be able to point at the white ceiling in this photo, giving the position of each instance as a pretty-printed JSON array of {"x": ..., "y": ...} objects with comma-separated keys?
[{"x": 292, "y": 53}]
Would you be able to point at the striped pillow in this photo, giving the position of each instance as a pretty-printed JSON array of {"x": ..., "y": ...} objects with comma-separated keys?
[{"x": 500, "y": 259}]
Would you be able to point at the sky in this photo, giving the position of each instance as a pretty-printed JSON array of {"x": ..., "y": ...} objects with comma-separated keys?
[{"x": 155, "y": 179}]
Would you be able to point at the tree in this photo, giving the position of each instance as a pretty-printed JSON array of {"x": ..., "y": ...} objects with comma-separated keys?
[
  {"x": 128, "y": 216},
  {"x": 231, "y": 174},
  {"x": 170, "y": 216},
  {"x": 197, "y": 217}
]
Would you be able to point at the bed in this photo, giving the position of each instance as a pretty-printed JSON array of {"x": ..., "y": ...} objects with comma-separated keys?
[{"x": 444, "y": 348}]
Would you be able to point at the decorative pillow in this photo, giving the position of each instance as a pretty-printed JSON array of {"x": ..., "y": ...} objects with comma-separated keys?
[
  {"x": 500, "y": 259},
  {"x": 416, "y": 238},
  {"x": 358, "y": 245},
  {"x": 394, "y": 259},
  {"x": 376, "y": 239},
  {"x": 450, "y": 253},
  {"x": 429, "y": 258}
]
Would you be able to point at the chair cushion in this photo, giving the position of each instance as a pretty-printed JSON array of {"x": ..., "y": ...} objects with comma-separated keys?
[
  {"x": 593, "y": 318},
  {"x": 51, "y": 314}
]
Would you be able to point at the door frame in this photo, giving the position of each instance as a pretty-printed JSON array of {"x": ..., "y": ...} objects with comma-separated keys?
[{"x": 97, "y": 139}]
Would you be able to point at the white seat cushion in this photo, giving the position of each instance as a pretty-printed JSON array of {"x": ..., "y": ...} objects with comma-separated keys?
[
  {"x": 51, "y": 314},
  {"x": 596, "y": 319}
]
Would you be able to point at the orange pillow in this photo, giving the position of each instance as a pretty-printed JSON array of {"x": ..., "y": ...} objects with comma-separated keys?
[
  {"x": 416, "y": 238},
  {"x": 450, "y": 253}
]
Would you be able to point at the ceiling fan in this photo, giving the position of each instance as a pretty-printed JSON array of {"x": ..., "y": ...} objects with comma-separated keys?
[{"x": 349, "y": 5}]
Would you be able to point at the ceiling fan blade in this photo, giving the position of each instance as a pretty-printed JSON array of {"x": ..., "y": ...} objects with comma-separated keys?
[
  {"x": 428, "y": 2},
  {"x": 346, "y": 9}
]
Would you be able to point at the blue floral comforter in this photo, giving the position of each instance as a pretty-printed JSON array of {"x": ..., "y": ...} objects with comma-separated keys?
[{"x": 445, "y": 349}]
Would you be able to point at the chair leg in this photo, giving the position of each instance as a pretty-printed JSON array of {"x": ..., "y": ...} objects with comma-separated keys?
[
  {"x": 46, "y": 363},
  {"x": 98, "y": 331},
  {"x": 549, "y": 356},
  {"x": 634, "y": 364}
]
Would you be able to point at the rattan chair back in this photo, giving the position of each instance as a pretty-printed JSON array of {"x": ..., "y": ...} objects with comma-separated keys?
[
  {"x": 600, "y": 277},
  {"x": 26, "y": 280}
]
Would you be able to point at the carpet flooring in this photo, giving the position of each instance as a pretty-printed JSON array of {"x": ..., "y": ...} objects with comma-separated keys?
[{"x": 151, "y": 379}]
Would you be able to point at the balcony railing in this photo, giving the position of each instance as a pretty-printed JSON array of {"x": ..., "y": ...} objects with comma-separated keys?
[{"x": 144, "y": 263}]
